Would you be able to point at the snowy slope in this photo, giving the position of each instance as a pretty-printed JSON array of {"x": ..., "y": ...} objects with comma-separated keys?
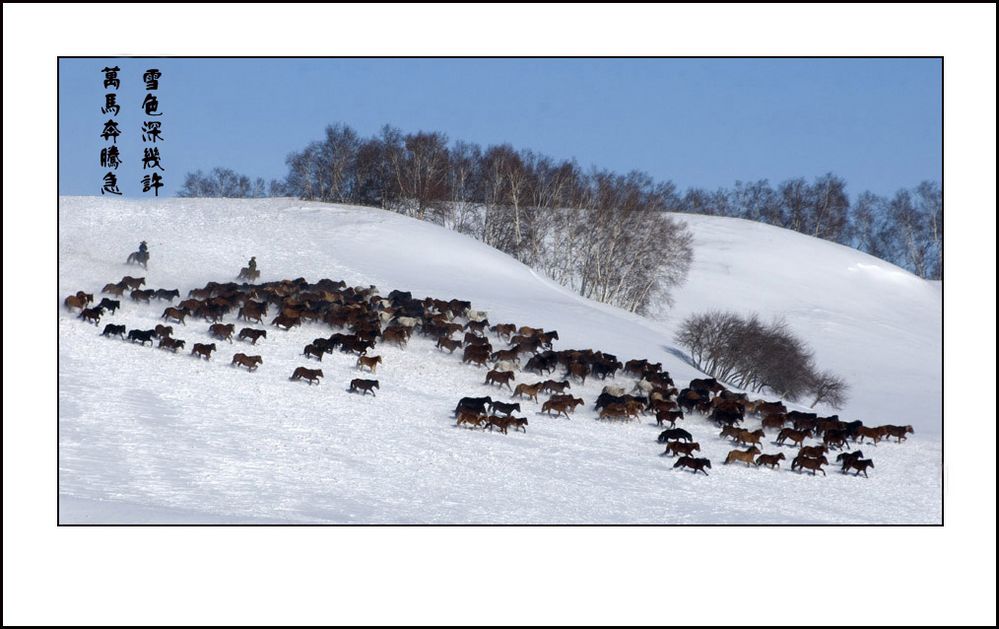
[{"x": 145, "y": 434}]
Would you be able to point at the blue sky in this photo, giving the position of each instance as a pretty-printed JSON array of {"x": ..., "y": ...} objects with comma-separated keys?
[{"x": 697, "y": 122}]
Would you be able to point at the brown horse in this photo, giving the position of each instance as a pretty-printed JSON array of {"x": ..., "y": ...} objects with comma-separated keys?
[
  {"x": 746, "y": 437},
  {"x": 502, "y": 423},
  {"x": 471, "y": 418},
  {"x": 504, "y": 330},
  {"x": 528, "y": 390},
  {"x": 770, "y": 408},
  {"x": 371, "y": 362},
  {"x": 529, "y": 331},
  {"x": 730, "y": 431},
  {"x": 133, "y": 282},
  {"x": 250, "y": 362},
  {"x": 519, "y": 423},
  {"x": 286, "y": 322},
  {"x": 865, "y": 432},
  {"x": 476, "y": 354},
  {"x": 115, "y": 289},
  {"x": 614, "y": 411},
  {"x": 697, "y": 465},
  {"x": 797, "y": 437},
  {"x": 774, "y": 420},
  {"x": 500, "y": 378},
  {"x": 674, "y": 448},
  {"x": 222, "y": 331},
  {"x": 396, "y": 335},
  {"x": 551, "y": 386},
  {"x": 561, "y": 406},
  {"x": 746, "y": 456},
  {"x": 803, "y": 463},
  {"x": 772, "y": 460},
  {"x": 899, "y": 432},
  {"x": 203, "y": 350},
  {"x": 813, "y": 452},
  {"x": 449, "y": 344},
  {"x": 75, "y": 301},
  {"x": 668, "y": 416},
  {"x": 364, "y": 386},
  {"x": 175, "y": 314},
  {"x": 312, "y": 375},
  {"x": 578, "y": 370}
]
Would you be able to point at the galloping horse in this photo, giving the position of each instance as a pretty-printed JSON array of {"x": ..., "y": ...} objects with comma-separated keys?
[
  {"x": 139, "y": 257},
  {"x": 249, "y": 275}
]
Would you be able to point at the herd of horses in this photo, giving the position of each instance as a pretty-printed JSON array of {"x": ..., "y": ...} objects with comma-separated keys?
[{"x": 362, "y": 319}]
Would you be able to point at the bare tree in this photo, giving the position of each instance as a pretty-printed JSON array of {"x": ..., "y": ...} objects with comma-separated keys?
[{"x": 828, "y": 388}]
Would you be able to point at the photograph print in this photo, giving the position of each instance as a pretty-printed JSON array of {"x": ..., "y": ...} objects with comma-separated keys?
[{"x": 530, "y": 291}]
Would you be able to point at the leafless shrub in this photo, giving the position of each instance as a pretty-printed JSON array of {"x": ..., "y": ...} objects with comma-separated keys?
[{"x": 754, "y": 355}]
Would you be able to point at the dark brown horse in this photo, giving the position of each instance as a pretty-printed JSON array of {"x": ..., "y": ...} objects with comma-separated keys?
[
  {"x": 846, "y": 457},
  {"x": 312, "y": 350},
  {"x": 696, "y": 465},
  {"x": 133, "y": 282},
  {"x": 203, "y": 350},
  {"x": 813, "y": 452},
  {"x": 806, "y": 463},
  {"x": 91, "y": 315},
  {"x": 312, "y": 375},
  {"x": 364, "y": 386},
  {"x": 771, "y": 460},
  {"x": 668, "y": 416},
  {"x": 171, "y": 344},
  {"x": 222, "y": 331},
  {"x": 449, "y": 344},
  {"x": 860, "y": 465},
  {"x": 501, "y": 423},
  {"x": 252, "y": 334},
  {"x": 286, "y": 322}
]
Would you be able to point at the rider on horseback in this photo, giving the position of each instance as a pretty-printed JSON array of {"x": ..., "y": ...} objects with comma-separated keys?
[
  {"x": 252, "y": 264},
  {"x": 142, "y": 247}
]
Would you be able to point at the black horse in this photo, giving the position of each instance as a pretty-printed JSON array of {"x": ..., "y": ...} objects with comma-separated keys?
[{"x": 138, "y": 257}]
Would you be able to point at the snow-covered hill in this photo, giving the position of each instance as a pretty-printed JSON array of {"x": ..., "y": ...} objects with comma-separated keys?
[{"x": 146, "y": 435}]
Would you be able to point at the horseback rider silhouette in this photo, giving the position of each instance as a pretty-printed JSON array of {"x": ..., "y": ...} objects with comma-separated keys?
[
  {"x": 142, "y": 247},
  {"x": 252, "y": 264}
]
